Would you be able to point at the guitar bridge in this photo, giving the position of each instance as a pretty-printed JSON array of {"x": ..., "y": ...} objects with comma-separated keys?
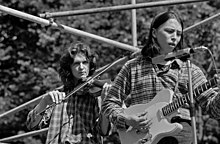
[{"x": 146, "y": 139}]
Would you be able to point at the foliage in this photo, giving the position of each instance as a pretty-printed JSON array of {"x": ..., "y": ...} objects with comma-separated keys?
[{"x": 29, "y": 52}]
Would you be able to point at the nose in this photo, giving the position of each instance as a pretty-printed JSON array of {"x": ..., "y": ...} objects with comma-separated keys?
[
  {"x": 81, "y": 65},
  {"x": 174, "y": 37}
]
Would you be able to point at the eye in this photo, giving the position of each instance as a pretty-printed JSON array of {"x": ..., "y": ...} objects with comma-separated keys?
[
  {"x": 85, "y": 62},
  {"x": 170, "y": 31},
  {"x": 179, "y": 33},
  {"x": 76, "y": 63}
]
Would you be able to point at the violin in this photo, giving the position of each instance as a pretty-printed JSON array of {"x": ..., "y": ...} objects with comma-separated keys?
[{"x": 94, "y": 88}]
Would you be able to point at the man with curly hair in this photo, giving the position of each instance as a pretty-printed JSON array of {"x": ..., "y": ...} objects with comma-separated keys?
[{"x": 76, "y": 119}]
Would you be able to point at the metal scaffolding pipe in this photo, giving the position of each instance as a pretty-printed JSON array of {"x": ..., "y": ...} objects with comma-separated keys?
[
  {"x": 118, "y": 8},
  {"x": 134, "y": 24},
  {"x": 65, "y": 28},
  {"x": 23, "y": 106},
  {"x": 16, "y": 137},
  {"x": 201, "y": 23}
]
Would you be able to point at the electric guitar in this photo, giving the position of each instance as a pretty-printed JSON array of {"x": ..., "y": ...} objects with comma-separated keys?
[{"x": 159, "y": 111}]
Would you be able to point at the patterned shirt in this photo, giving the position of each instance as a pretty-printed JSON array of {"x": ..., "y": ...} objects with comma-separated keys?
[
  {"x": 139, "y": 81},
  {"x": 74, "y": 121}
]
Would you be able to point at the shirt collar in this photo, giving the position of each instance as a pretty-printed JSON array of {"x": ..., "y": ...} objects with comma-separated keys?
[{"x": 176, "y": 64}]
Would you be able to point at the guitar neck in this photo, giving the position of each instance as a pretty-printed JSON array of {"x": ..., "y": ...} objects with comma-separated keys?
[{"x": 171, "y": 107}]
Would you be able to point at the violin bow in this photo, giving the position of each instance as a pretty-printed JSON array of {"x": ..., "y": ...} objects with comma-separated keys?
[{"x": 91, "y": 79}]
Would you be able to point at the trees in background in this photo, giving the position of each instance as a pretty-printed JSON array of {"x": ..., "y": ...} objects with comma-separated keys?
[{"x": 29, "y": 52}]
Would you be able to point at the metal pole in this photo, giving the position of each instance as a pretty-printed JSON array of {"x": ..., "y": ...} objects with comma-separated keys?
[
  {"x": 134, "y": 24},
  {"x": 23, "y": 106},
  {"x": 192, "y": 104},
  {"x": 16, "y": 137},
  {"x": 202, "y": 22},
  {"x": 118, "y": 8},
  {"x": 65, "y": 28}
]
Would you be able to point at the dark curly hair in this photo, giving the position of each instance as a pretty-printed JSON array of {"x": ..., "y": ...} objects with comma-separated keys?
[
  {"x": 151, "y": 47},
  {"x": 67, "y": 59}
]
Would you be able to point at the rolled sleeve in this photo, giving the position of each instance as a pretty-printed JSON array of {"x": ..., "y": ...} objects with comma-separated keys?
[
  {"x": 44, "y": 122},
  {"x": 98, "y": 126},
  {"x": 112, "y": 105}
]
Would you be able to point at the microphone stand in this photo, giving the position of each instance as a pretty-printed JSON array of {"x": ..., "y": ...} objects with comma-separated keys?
[
  {"x": 184, "y": 57},
  {"x": 192, "y": 104}
]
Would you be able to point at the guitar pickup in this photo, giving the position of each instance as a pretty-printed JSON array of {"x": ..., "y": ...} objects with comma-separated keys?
[{"x": 160, "y": 114}]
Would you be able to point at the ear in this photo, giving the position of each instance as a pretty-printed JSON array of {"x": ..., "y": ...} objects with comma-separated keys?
[{"x": 154, "y": 33}]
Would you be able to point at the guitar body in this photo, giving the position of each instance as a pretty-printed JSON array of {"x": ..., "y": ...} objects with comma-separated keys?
[{"x": 160, "y": 127}]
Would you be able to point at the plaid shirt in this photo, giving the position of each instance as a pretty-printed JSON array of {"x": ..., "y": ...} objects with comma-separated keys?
[
  {"x": 139, "y": 81},
  {"x": 73, "y": 121}
]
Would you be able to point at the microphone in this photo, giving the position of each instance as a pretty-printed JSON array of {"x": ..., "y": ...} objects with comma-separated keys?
[{"x": 184, "y": 53}]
